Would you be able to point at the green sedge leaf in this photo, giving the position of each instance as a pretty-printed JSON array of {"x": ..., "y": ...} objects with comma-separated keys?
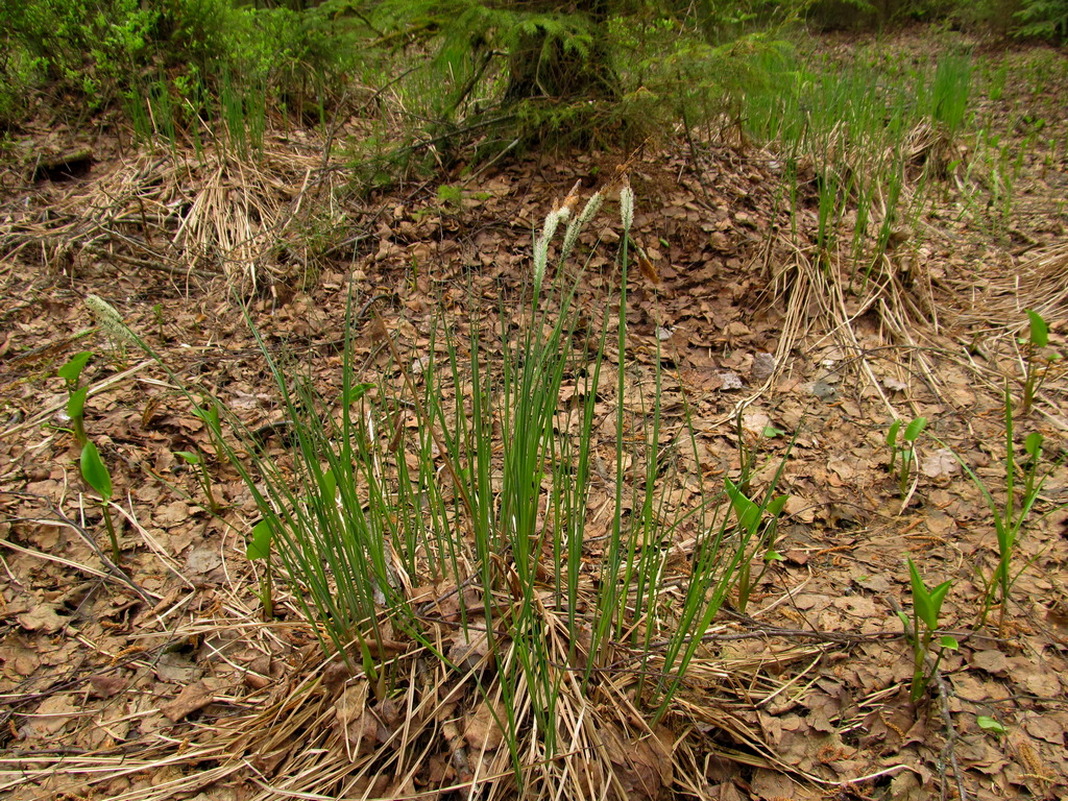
[
  {"x": 328, "y": 486},
  {"x": 188, "y": 457},
  {"x": 76, "y": 403},
  {"x": 95, "y": 472},
  {"x": 891, "y": 434},
  {"x": 987, "y": 723},
  {"x": 259, "y": 547},
  {"x": 1039, "y": 329},
  {"x": 915, "y": 428},
  {"x": 71, "y": 372}
]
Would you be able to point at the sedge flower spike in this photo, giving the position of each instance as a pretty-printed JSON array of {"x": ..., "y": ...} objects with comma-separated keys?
[
  {"x": 574, "y": 228},
  {"x": 541, "y": 243},
  {"x": 541, "y": 257},
  {"x": 110, "y": 321},
  {"x": 626, "y": 207}
]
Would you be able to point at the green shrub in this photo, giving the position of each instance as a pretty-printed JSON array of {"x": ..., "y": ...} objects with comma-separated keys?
[{"x": 1047, "y": 19}]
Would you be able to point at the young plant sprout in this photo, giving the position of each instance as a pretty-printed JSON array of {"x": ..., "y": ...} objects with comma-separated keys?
[
  {"x": 1036, "y": 363},
  {"x": 926, "y": 607},
  {"x": 1010, "y": 516},
  {"x": 903, "y": 446},
  {"x": 71, "y": 373},
  {"x": 259, "y": 548},
  {"x": 196, "y": 459}
]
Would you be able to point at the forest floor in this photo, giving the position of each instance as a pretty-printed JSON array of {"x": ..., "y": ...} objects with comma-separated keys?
[{"x": 148, "y": 680}]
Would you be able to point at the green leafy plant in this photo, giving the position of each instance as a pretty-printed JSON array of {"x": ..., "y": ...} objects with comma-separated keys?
[
  {"x": 97, "y": 476},
  {"x": 922, "y": 630},
  {"x": 902, "y": 446},
  {"x": 1036, "y": 362},
  {"x": 758, "y": 523},
  {"x": 259, "y": 549},
  {"x": 990, "y": 724},
  {"x": 1023, "y": 485},
  {"x": 1043, "y": 18},
  {"x": 71, "y": 373},
  {"x": 195, "y": 459}
]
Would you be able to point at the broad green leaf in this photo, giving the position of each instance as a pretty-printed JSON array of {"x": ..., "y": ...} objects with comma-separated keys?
[
  {"x": 210, "y": 416},
  {"x": 76, "y": 403},
  {"x": 937, "y": 596},
  {"x": 776, "y": 505},
  {"x": 748, "y": 512},
  {"x": 95, "y": 472},
  {"x": 188, "y": 457},
  {"x": 355, "y": 392},
  {"x": 1039, "y": 329},
  {"x": 259, "y": 547},
  {"x": 948, "y": 641},
  {"x": 921, "y": 599},
  {"x": 987, "y": 723},
  {"x": 771, "y": 432},
  {"x": 915, "y": 428},
  {"x": 71, "y": 372},
  {"x": 928, "y": 603},
  {"x": 1033, "y": 444},
  {"x": 891, "y": 434}
]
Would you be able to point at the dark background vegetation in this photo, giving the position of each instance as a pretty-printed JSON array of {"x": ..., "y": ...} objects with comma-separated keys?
[{"x": 502, "y": 75}]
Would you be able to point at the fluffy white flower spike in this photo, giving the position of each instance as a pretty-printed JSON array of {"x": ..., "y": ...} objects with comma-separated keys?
[{"x": 626, "y": 206}]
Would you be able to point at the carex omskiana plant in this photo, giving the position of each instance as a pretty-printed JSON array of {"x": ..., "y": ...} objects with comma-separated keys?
[{"x": 461, "y": 468}]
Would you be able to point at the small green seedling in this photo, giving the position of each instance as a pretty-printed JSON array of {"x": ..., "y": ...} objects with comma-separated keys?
[
  {"x": 926, "y": 607},
  {"x": 208, "y": 413},
  {"x": 71, "y": 373},
  {"x": 196, "y": 460},
  {"x": 992, "y": 725},
  {"x": 96, "y": 475},
  {"x": 1036, "y": 362},
  {"x": 903, "y": 445},
  {"x": 157, "y": 313},
  {"x": 259, "y": 548}
]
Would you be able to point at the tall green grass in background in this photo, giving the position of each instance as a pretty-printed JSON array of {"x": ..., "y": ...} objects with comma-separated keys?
[{"x": 864, "y": 140}]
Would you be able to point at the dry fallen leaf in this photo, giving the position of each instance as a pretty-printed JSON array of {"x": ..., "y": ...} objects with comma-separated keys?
[
  {"x": 42, "y": 618},
  {"x": 941, "y": 462},
  {"x": 107, "y": 685},
  {"x": 190, "y": 699},
  {"x": 482, "y": 729}
]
